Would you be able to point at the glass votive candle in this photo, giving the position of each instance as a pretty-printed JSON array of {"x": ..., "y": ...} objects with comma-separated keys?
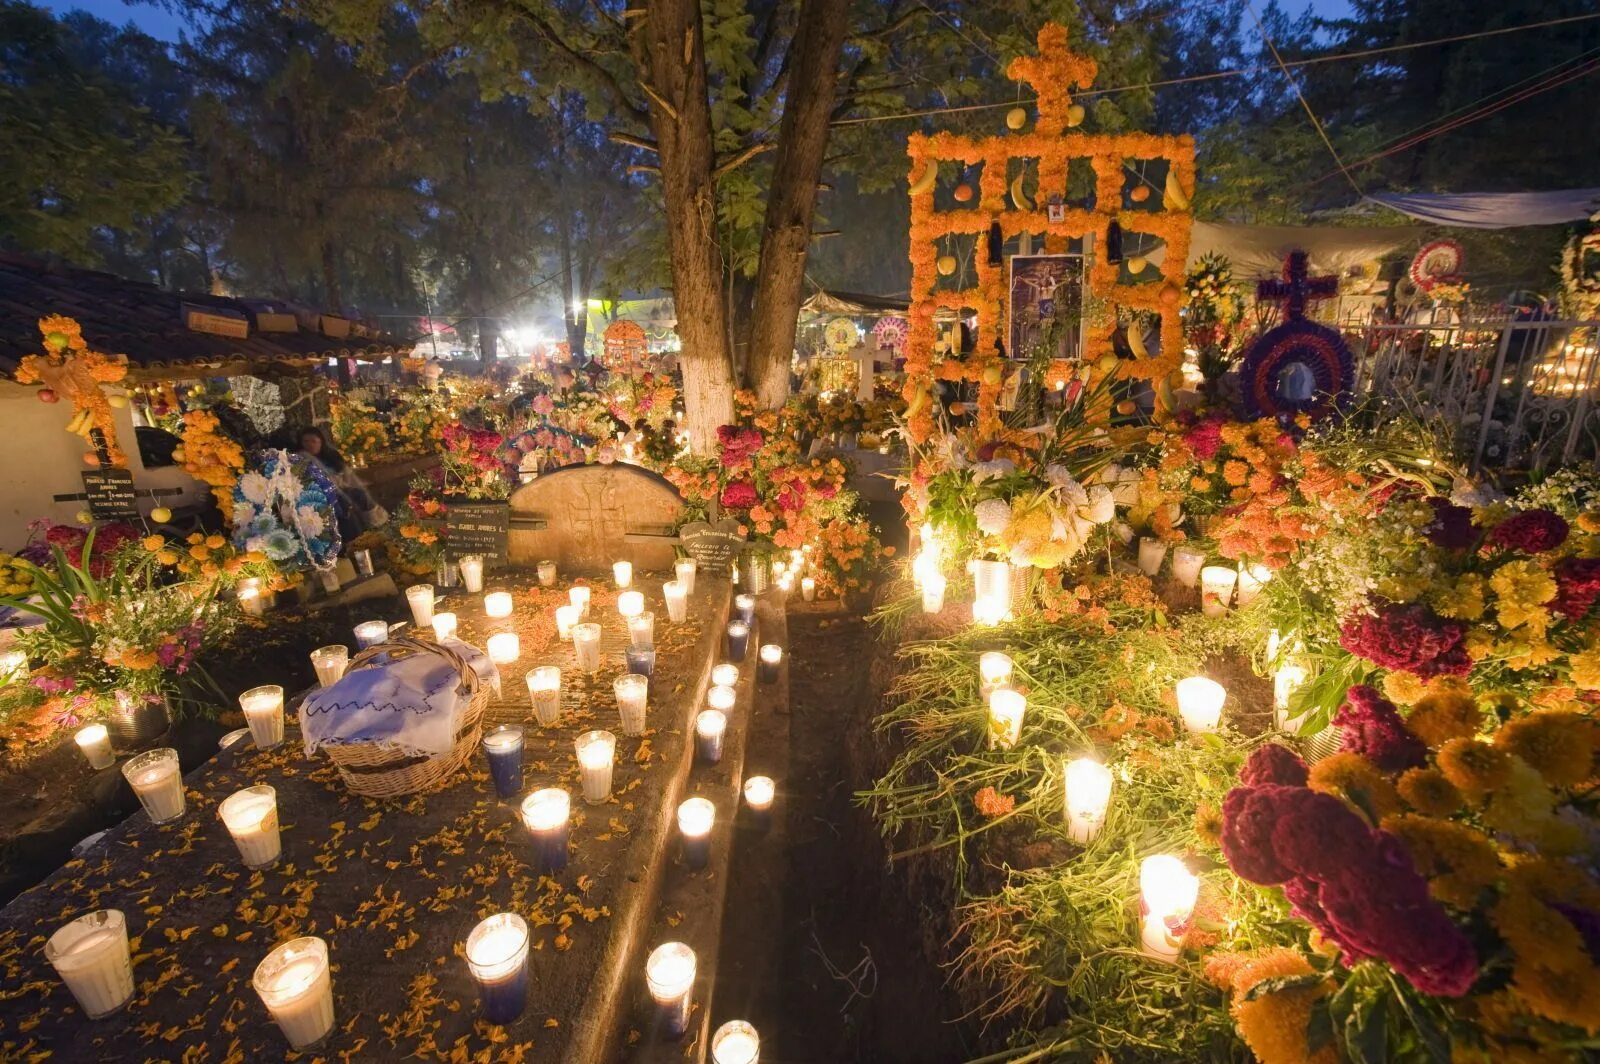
[
  {"x": 695, "y": 817},
  {"x": 786, "y": 584},
  {"x": 504, "y": 648},
  {"x": 547, "y": 573},
  {"x": 586, "y": 645},
  {"x": 994, "y": 672},
  {"x": 710, "y": 725},
  {"x": 597, "y": 752},
  {"x": 685, "y": 569},
  {"x": 472, "y": 573},
  {"x": 725, "y": 674},
  {"x": 544, "y": 691},
  {"x": 447, "y": 573},
  {"x": 497, "y": 604},
  {"x": 641, "y": 661},
  {"x": 1252, "y": 578},
  {"x": 1286, "y": 680},
  {"x": 363, "y": 562},
  {"x": 250, "y": 600},
  {"x": 1167, "y": 894},
  {"x": 642, "y": 629},
  {"x": 444, "y": 626},
  {"x": 808, "y": 589},
  {"x": 238, "y": 735},
  {"x": 251, "y": 817},
  {"x": 1200, "y": 703},
  {"x": 566, "y": 618},
  {"x": 744, "y": 607},
  {"x": 758, "y": 794},
  {"x": 1006, "y": 709},
  {"x": 677, "y": 601},
  {"x": 503, "y": 747},
  {"x": 1152, "y": 552},
  {"x": 155, "y": 778},
  {"x": 91, "y": 956},
  {"x": 738, "y": 640},
  {"x": 371, "y": 633},
  {"x": 722, "y": 699},
  {"x": 94, "y": 742},
  {"x": 633, "y": 697},
  {"x": 622, "y": 574},
  {"x": 1088, "y": 786},
  {"x": 1216, "y": 589},
  {"x": 329, "y": 578},
  {"x": 630, "y": 604},
  {"x": 933, "y": 587},
  {"x": 736, "y": 1042},
  {"x": 297, "y": 988},
  {"x": 420, "y": 598},
  {"x": 1186, "y": 565},
  {"x": 547, "y": 814},
  {"x": 263, "y": 712},
  {"x": 579, "y": 596},
  {"x": 669, "y": 973},
  {"x": 330, "y": 663},
  {"x": 497, "y": 956},
  {"x": 770, "y": 661}
]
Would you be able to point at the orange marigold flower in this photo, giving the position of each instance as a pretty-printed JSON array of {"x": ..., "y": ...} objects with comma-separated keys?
[
  {"x": 1428, "y": 791},
  {"x": 1442, "y": 715},
  {"x": 1353, "y": 778},
  {"x": 153, "y": 543},
  {"x": 1476, "y": 768},
  {"x": 992, "y": 803},
  {"x": 1557, "y": 745}
]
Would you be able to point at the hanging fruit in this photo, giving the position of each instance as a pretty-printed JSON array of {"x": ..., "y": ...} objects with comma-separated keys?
[
  {"x": 1016, "y": 118},
  {"x": 1137, "y": 263},
  {"x": 963, "y": 193},
  {"x": 947, "y": 265},
  {"x": 161, "y": 515},
  {"x": 925, "y": 180},
  {"x": 1019, "y": 198},
  {"x": 1140, "y": 193},
  {"x": 1075, "y": 116}
]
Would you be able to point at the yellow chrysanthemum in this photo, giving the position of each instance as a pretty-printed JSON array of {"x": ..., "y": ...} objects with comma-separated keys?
[
  {"x": 1403, "y": 688},
  {"x": 1274, "y": 1024},
  {"x": 153, "y": 543},
  {"x": 1428, "y": 791},
  {"x": 1443, "y": 714},
  {"x": 1463, "y": 600},
  {"x": 1521, "y": 589},
  {"x": 1476, "y": 768},
  {"x": 1585, "y": 667},
  {"x": 1356, "y": 780},
  {"x": 1460, "y": 863},
  {"x": 1525, "y": 808},
  {"x": 1559, "y": 746}
]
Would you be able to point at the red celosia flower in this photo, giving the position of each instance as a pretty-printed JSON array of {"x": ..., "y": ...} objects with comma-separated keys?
[
  {"x": 1410, "y": 638},
  {"x": 1531, "y": 531}
]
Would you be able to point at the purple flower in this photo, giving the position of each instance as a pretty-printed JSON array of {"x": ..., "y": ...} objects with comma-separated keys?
[
  {"x": 1531, "y": 531},
  {"x": 1452, "y": 525}
]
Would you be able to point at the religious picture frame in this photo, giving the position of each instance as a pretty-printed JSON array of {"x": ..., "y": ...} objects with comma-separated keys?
[{"x": 1042, "y": 287}]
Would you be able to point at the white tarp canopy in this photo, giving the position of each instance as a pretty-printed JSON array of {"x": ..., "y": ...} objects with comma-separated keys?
[
  {"x": 1494, "y": 210},
  {"x": 1258, "y": 251}
]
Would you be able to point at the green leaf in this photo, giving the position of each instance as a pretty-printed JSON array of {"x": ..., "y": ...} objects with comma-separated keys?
[
  {"x": 1429, "y": 1032},
  {"x": 1279, "y": 983},
  {"x": 1319, "y": 1029},
  {"x": 1366, "y": 1033}
]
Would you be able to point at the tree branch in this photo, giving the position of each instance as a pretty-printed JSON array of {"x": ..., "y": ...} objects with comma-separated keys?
[
  {"x": 632, "y": 141},
  {"x": 589, "y": 63},
  {"x": 660, "y": 101},
  {"x": 738, "y": 159}
]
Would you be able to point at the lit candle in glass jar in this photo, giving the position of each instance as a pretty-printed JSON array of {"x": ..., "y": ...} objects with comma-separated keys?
[
  {"x": 497, "y": 956},
  {"x": 1006, "y": 708},
  {"x": 669, "y": 973},
  {"x": 579, "y": 596},
  {"x": 642, "y": 630},
  {"x": 155, "y": 778},
  {"x": 250, "y": 600},
  {"x": 725, "y": 674},
  {"x": 497, "y": 604},
  {"x": 1216, "y": 589},
  {"x": 297, "y": 989},
  {"x": 547, "y": 813},
  {"x": 736, "y": 1042},
  {"x": 586, "y": 646},
  {"x": 251, "y": 817},
  {"x": 771, "y": 659},
  {"x": 622, "y": 573},
  {"x": 630, "y": 604},
  {"x": 596, "y": 754},
  {"x": 329, "y": 578},
  {"x": 1167, "y": 892},
  {"x": 988, "y": 611},
  {"x": 13, "y": 666},
  {"x": 738, "y": 640},
  {"x": 633, "y": 696},
  {"x": 744, "y": 606},
  {"x": 808, "y": 588},
  {"x": 1252, "y": 578},
  {"x": 1186, "y": 565},
  {"x": 685, "y": 569},
  {"x": 263, "y": 712},
  {"x": 994, "y": 672},
  {"x": 709, "y": 727},
  {"x": 444, "y": 626},
  {"x": 695, "y": 817},
  {"x": 420, "y": 598},
  {"x": 641, "y": 660},
  {"x": 503, "y": 747},
  {"x": 722, "y": 699},
  {"x": 758, "y": 794},
  {"x": 1152, "y": 552},
  {"x": 1088, "y": 784},
  {"x": 330, "y": 663},
  {"x": 371, "y": 633},
  {"x": 567, "y": 617},
  {"x": 472, "y": 572},
  {"x": 94, "y": 742},
  {"x": 933, "y": 587},
  {"x": 547, "y": 573},
  {"x": 677, "y": 601},
  {"x": 91, "y": 956},
  {"x": 544, "y": 690},
  {"x": 1286, "y": 680},
  {"x": 1200, "y": 703},
  {"x": 504, "y": 648}
]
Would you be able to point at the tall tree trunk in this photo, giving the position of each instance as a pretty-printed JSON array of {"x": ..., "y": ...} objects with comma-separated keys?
[
  {"x": 332, "y": 294},
  {"x": 669, "y": 51},
  {"x": 792, "y": 201}
]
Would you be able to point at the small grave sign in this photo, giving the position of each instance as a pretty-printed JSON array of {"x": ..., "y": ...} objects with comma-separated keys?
[
  {"x": 111, "y": 495},
  {"x": 714, "y": 547},
  {"x": 478, "y": 528}
]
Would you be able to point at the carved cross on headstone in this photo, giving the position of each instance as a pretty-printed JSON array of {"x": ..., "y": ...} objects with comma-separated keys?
[{"x": 1297, "y": 288}]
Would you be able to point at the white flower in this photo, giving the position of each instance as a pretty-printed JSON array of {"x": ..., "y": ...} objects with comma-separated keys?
[
  {"x": 1021, "y": 555},
  {"x": 1102, "y": 507},
  {"x": 254, "y": 487},
  {"x": 993, "y": 516},
  {"x": 311, "y": 523},
  {"x": 992, "y": 470}
]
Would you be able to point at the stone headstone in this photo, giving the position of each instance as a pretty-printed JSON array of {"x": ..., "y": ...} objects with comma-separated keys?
[
  {"x": 589, "y": 512},
  {"x": 714, "y": 547},
  {"x": 477, "y": 528},
  {"x": 110, "y": 494}
]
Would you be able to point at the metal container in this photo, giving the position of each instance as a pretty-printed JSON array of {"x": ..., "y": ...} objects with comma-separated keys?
[
  {"x": 136, "y": 722},
  {"x": 755, "y": 572}
]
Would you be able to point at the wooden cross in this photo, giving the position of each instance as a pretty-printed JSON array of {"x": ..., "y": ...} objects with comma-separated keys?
[{"x": 1297, "y": 287}]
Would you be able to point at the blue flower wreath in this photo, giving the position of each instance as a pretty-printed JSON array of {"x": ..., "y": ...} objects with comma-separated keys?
[
  {"x": 1320, "y": 350},
  {"x": 284, "y": 507}
]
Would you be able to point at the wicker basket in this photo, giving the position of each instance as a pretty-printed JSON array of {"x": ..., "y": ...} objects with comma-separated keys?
[{"x": 374, "y": 772}]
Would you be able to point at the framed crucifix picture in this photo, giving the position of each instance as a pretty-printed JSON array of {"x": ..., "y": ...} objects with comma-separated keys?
[{"x": 1043, "y": 288}]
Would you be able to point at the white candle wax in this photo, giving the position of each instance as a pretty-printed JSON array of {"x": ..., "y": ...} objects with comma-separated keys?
[
  {"x": 1252, "y": 578},
  {"x": 297, "y": 989},
  {"x": 420, "y": 599},
  {"x": 669, "y": 973},
  {"x": 329, "y": 579},
  {"x": 759, "y": 792},
  {"x": 1288, "y": 678},
  {"x": 472, "y": 573},
  {"x": 685, "y": 569},
  {"x": 994, "y": 672},
  {"x": 566, "y": 618},
  {"x": 1200, "y": 703},
  {"x": 154, "y": 777},
  {"x": 251, "y": 602},
  {"x": 1216, "y": 589},
  {"x": 544, "y": 690},
  {"x": 1152, "y": 552},
  {"x": 722, "y": 699},
  {"x": 622, "y": 574},
  {"x": 696, "y": 817},
  {"x": 504, "y": 648},
  {"x": 736, "y": 1042},
  {"x": 91, "y": 956},
  {"x": 677, "y": 597},
  {"x": 330, "y": 663},
  {"x": 808, "y": 589},
  {"x": 1168, "y": 892},
  {"x": 251, "y": 817},
  {"x": 547, "y": 573},
  {"x": 725, "y": 674},
  {"x": 771, "y": 653},
  {"x": 933, "y": 585},
  {"x": 546, "y": 809},
  {"x": 1006, "y": 709},
  {"x": 95, "y": 744},
  {"x": 642, "y": 630},
  {"x": 632, "y": 699},
  {"x": 497, "y": 604},
  {"x": 371, "y": 633},
  {"x": 444, "y": 626},
  {"x": 1088, "y": 789},
  {"x": 1186, "y": 565},
  {"x": 497, "y": 949},
  {"x": 596, "y": 754},
  {"x": 630, "y": 603},
  {"x": 263, "y": 712},
  {"x": 579, "y": 596},
  {"x": 586, "y": 645},
  {"x": 988, "y": 611}
]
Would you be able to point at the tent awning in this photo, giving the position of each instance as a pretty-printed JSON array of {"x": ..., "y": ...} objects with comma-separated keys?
[
  {"x": 1494, "y": 210},
  {"x": 1258, "y": 251},
  {"x": 852, "y": 304}
]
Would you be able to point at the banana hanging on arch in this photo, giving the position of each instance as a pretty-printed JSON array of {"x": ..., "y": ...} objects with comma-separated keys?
[
  {"x": 1173, "y": 197},
  {"x": 924, "y": 181},
  {"x": 1019, "y": 198}
]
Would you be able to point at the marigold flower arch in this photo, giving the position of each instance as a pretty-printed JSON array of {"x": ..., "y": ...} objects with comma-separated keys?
[{"x": 1053, "y": 73}]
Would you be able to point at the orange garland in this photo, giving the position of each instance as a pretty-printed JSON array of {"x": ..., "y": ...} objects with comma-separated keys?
[
  {"x": 70, "y": 369},
  {"x": 1051, "y": 73}
]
